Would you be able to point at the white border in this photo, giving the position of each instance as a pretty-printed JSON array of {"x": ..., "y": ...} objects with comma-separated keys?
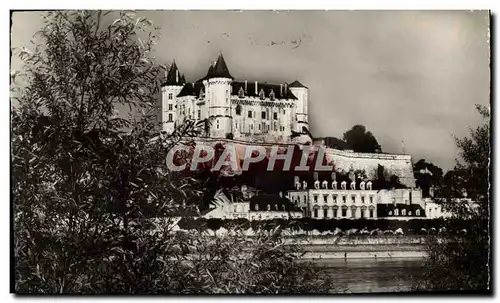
[{"x": 182, "y": 5}]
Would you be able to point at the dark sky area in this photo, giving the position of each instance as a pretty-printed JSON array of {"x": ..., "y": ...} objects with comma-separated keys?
[{"x": 411, "y": 76}]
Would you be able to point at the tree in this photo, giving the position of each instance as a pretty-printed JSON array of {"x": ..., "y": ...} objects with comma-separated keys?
[
  {"x": 360, "y": 140},
  {"x": 463, "y": 261},
  {"x": 427, "y": 175},
  {"x": 92, "y": 197}
]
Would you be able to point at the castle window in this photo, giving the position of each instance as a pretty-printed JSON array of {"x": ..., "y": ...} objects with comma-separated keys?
[
  {"x": 409, "y": 213},
  {"x": 403, "y": 212},
  {"x": 362, "y": 199},
  {"x": 217, "y": 124},
  {"x": 371, "y": 199},
  {"x": 417, "y": 212},
  {"x": 241, "y": 92},
  {"x": 227, "y": 96},
  {"x": 335, "y": 199},
  {"x": 325, "y": 198},
  {"x": 169, "y": 96},
  {"x": 170, "y": 107},
  {"x": 353, "y": 198},
  {"x": 238, "y": 110},
  {"x": 315, "y": 198},
  {"x": 396, "y": 212},
  {"x": 249, "y": 114},
  {"x": 276, "y": 207},
  {"x": 271, "y": 95},
  {"x": 315, "y": 213},
  {"x": 251, "y": 126},
  {"x": 325, "y": 213},
  {"x": 275, "y": 127},
  {"x": 344, "y": 199},
  {"x": 275, "y": 116},
  {"x": 371, "y": 213},
  {"x": 268, "y": 206},
  {"x": 256, "y": 206},
  {"x": 390, "y": 213},
  {"x": 262, "y": 96},
  {"x": 170, "y": 118},
  {"x": 263, "y": 115},
  {"x": 199, "y": 114},
  {"x": 344, "y": 211},
  {"x": 259, "y": 126}
]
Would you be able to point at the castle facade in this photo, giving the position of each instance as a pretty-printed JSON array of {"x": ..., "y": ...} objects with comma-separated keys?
[{"x": 242, "y": 110}]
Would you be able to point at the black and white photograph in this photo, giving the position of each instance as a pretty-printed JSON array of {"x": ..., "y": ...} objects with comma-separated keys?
[{"x": 250, "y": 152}]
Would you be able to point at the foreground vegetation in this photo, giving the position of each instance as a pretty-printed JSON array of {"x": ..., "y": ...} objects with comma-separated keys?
[{"x": 87, "y": 181}]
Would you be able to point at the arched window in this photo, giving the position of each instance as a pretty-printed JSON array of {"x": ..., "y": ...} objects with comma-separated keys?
[
  {"x": 372, "y": 212},
  {"x": 241, "y": 92},
  {"x": 417, "y": 212},
  {"x": 268, "y": 206},
  {"x": 276, "y": 207},
  {"x": 396, "y": 212},
  {"x": 344, "y": 211},
  {"x": 403, "y": 212},
  {"x": 390, "y": 213},
  {"x": 325, "y": 212},
  {"x": 238, "y": 110},
  {"x": 369, "y": 185}
]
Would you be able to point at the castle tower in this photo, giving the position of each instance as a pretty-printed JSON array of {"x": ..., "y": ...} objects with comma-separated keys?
[
  {"x": 300, "y": 91},
  {"x": 218, "y": 89},
  {"x": 169, "y": 90}
]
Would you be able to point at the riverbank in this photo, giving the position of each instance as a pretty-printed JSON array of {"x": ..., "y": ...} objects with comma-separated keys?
[{"x": 359, "y": 247}]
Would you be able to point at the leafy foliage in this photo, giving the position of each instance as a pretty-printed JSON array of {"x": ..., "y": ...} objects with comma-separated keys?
[
  {"x": 360, "y": 140},
  {"x": 463, "y": 262},
  {"x": 92, "y": 198},
  {"x": 427, "y": 175}
]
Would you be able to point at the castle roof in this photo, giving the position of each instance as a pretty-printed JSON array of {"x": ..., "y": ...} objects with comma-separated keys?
[
  {"x": 191, "y": 89},
  {"x": 173, "y": 76},
  {"x": 220, "y": 69},
  {"x": 296, "y": 83},
  {"x": 280, "y": 91}
]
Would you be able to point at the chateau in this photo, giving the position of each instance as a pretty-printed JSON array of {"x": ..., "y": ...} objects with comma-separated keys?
[{"x": 250, "y": 111}]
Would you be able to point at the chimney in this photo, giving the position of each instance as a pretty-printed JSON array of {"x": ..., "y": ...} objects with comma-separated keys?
[
  {"x": 281, "y": 90},
  {"x": 166, "y": 74},
  {"x": 256, "y": 91},
  {"x": 286, "y": 88},
  {"x": 246, "y": 85},
  {"x": 177, "y": 76}
]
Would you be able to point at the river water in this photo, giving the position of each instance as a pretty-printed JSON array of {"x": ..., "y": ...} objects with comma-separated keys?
[{"x": 372, "y": 275}]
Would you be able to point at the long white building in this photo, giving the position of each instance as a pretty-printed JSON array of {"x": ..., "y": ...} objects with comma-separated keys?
[{"x": 245, "y": 110}]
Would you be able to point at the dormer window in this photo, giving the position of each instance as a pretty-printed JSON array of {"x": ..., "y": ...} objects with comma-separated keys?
[
  {"x": 241, "y": 92},
  {"x": 262, "y": 96},
  {"x": 271, "y": 95}
]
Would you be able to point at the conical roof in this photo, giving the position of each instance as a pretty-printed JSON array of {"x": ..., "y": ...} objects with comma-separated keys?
[
  {"x": 296, "y": 83},
  {"x": 173, "y": 76},
  {"x": 220, "y": 69}
]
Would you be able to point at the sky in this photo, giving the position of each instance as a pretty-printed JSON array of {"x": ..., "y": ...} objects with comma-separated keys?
[{"x": 411, "y": 77}]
